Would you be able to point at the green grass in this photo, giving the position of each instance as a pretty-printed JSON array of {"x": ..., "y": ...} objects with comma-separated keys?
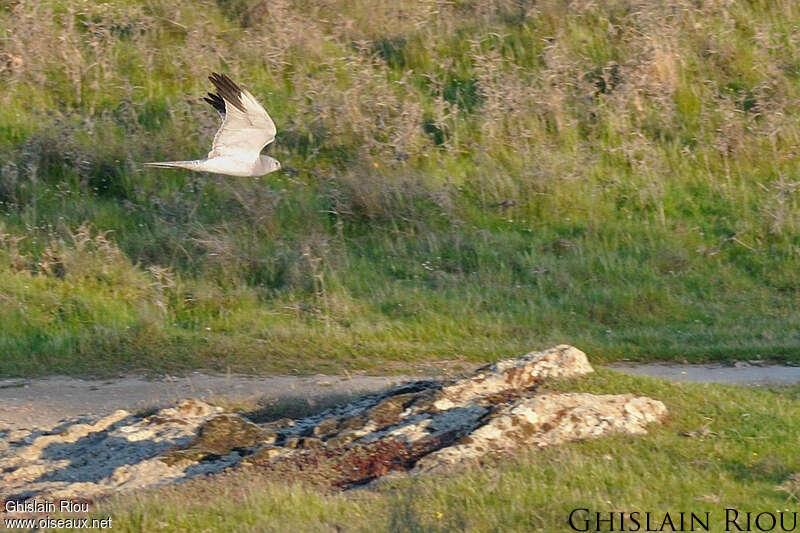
[
  {"x": 469, "y": 179},
  {"x": 722, "y": 446}
]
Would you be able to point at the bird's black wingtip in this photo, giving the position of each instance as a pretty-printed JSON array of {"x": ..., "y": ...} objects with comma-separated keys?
[
  {"x": 227, "y": 89},
  {"x": 216, "y": 102}
]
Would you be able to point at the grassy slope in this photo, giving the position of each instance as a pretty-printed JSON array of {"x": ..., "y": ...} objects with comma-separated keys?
[
  {"x": 742, "y": 450},
  {"x": 466, "y": 179}
]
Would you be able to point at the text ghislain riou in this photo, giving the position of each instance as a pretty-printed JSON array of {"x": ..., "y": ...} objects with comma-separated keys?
[
  {"x": 44, "y": 506},
  {"x": 584, "y": 519}
]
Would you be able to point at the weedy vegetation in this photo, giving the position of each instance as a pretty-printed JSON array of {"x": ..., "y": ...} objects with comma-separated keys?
[{"x": 462, "y": 178}]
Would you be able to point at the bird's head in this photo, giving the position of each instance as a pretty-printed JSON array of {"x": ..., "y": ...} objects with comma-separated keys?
[{"x": 269, "y": 164}]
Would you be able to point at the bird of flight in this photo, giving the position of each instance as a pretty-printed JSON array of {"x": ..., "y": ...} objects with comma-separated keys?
[{"x": 246, "y": 129}]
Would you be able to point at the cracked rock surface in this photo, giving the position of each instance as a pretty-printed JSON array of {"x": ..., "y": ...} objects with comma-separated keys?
[{"x": 419, "y": 426}]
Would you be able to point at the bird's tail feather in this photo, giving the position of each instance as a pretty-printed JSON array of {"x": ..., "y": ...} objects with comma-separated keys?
[{"x": 192, "y": 165}]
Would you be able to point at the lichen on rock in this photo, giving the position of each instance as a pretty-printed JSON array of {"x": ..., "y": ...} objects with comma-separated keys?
[{"x": 419, "y": 427}]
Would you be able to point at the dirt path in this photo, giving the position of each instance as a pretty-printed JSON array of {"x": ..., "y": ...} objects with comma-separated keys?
[
  {"x": 38, "y": 402},
  {"x": 740, "y": 373}
]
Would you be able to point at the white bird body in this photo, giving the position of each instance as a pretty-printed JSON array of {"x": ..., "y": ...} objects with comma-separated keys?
[
  {"x": 225, "y": 165},
  {"x": 246, "y": 129}
]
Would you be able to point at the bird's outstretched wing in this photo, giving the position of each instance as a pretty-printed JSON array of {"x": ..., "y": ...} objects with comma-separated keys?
[{"x": 246, "y": 126}]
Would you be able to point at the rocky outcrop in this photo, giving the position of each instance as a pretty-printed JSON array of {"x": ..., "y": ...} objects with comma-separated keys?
[
  {"x": 419, "y": 427},
  {"x": 117, "y": 452}
]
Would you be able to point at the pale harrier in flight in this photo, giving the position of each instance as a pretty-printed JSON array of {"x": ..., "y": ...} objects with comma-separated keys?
[{"x": 246, "y": 129}]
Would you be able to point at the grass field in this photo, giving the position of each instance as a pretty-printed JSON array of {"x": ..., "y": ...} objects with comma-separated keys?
[
  {"x": 722, "y": 447},
  {"x": 463, "y": 179}
]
